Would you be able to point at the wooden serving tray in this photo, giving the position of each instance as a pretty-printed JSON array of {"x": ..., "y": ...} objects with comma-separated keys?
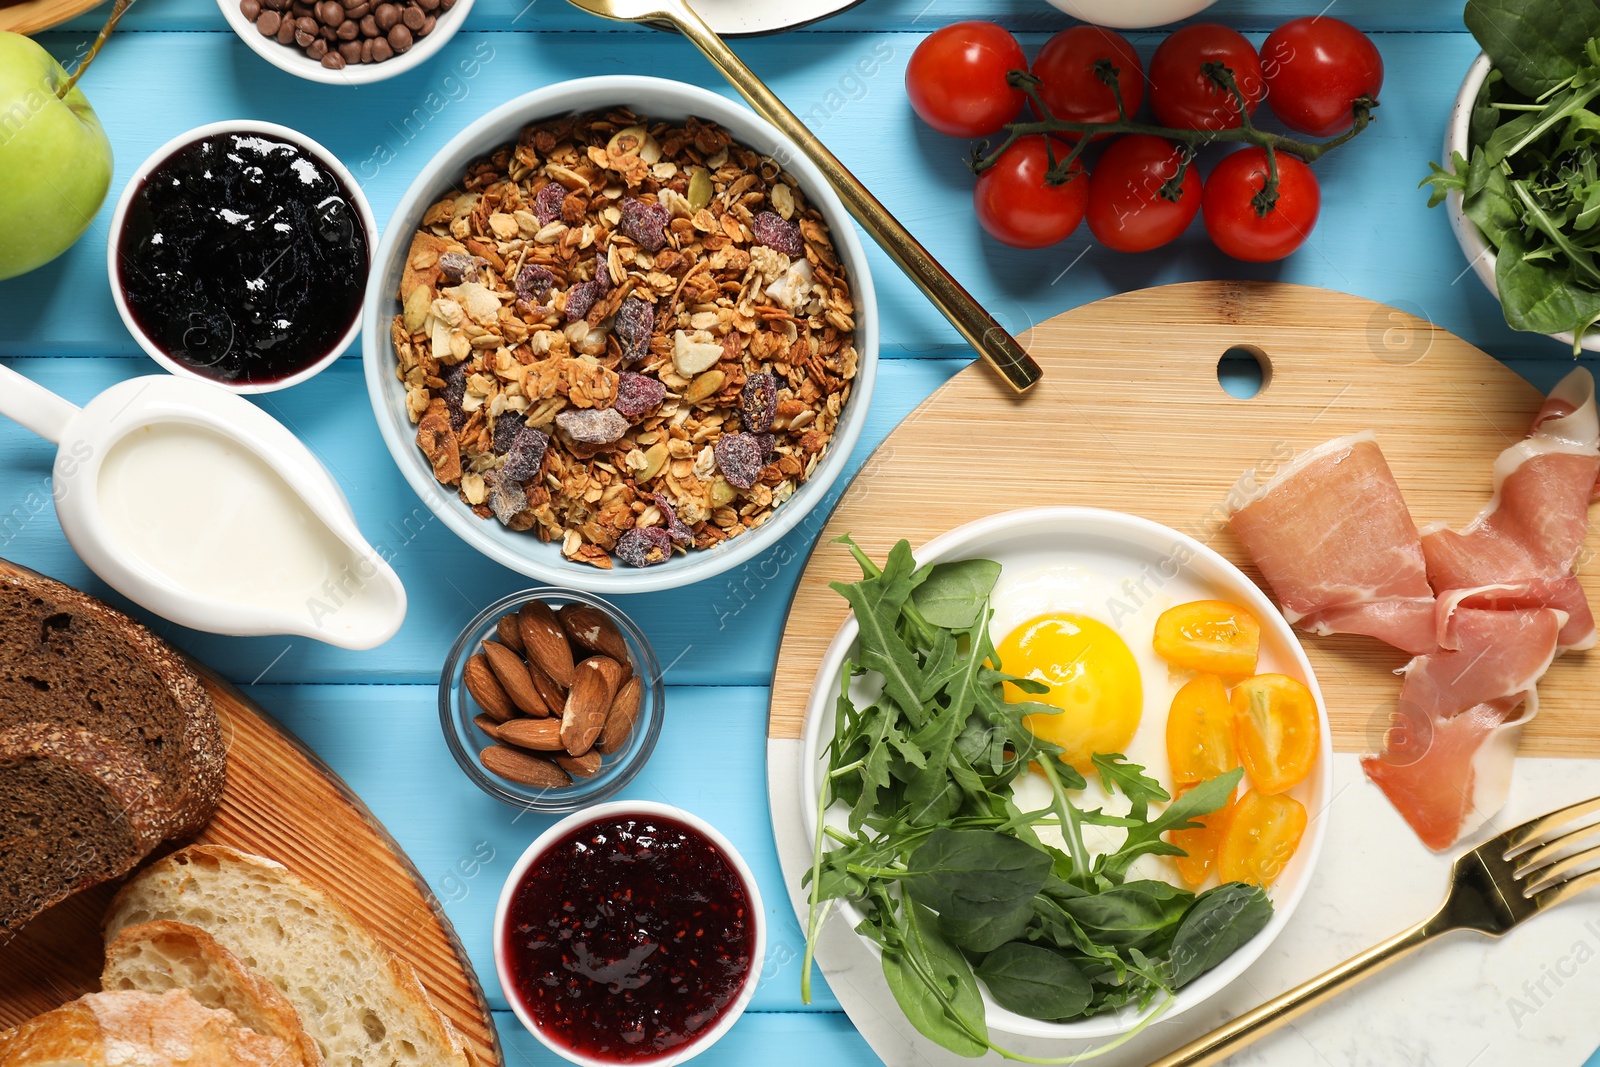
[
  {"x": 32, "y": 16},
  {"x": 1130, "y": 416},
  {"x": 284, "y": 803}
]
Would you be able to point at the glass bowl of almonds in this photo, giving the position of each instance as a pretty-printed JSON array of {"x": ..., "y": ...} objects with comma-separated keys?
[
  {"x": 621, "y": 335},
  {"x": 551, "y": 700}
]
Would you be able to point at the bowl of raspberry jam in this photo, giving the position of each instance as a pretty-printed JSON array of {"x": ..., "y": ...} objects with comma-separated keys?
[{"x": 629, "y": 933}]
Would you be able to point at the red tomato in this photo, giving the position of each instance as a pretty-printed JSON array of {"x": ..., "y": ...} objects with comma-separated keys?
[
  {"x": 1128, "y": 208},
  {"x": 1069, "y": 86},
  {"x": 1316, "y": 68},
  {"x": 1185, "y": 97},
  {"x": 1243, "y": 229},
  {"x": 1016, "y": 206},
  {"x": 957, "y": 79}
]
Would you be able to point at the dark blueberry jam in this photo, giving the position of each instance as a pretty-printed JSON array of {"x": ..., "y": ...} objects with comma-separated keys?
[
  {"x": 629, "y": 938},
  {"x": 243, "y": 258}
]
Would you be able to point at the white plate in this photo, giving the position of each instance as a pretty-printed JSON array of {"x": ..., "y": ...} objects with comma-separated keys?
[
  {"x": 743, "y": 18},
  {"x": 1174, "y": 567}
]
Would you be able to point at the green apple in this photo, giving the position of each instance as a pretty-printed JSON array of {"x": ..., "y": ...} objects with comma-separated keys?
[{"x": 55, "y": 160}]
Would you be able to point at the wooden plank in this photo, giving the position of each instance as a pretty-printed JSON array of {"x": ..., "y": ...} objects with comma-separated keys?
[
  {"x": 281, "y": 801},
  {"x": 1130, "y": 416}
]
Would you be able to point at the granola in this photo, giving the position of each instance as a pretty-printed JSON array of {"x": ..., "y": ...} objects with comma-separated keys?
[{"x": 620, "y": 325}]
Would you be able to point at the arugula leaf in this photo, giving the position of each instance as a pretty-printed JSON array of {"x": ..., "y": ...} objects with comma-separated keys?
[
  {"x": 1145, "y": 840},
  {"x": 934, "y": 985},
  {"x": 953, "y": 595},
  {"x": 1117, "y": 775},
  {"x": 1532, "y": 43},
  {"x": 1217, "y": 926},
  {"x": 1035, "y": 981}
]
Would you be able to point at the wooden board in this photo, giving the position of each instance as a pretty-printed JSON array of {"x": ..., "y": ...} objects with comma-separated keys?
[
  {"x": 32, "y": 16},
  {"x": 1130, "y": 416},
  {"x": 284, "y": 803}
]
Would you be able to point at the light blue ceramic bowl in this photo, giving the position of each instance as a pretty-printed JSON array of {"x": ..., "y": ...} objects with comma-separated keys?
[{"x": 654, "y": 98}]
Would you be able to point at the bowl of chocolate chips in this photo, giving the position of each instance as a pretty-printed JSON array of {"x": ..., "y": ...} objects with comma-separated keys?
[
  {"x": 620, "y": 336},
  {"x": 345, "y": 42}
]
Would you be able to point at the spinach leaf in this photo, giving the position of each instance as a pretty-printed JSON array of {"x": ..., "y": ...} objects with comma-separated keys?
[
  {"x": 1536, "y": 295},
  {"x": 1131, "y": 914},
  {"x": 1217, "y": 926},
  {"x": 972, "y": 873},
  {"x": 1537, "y": 45},
  {"x": 954, "y": 594},
  {"x": 1034, "y": 981},
  {"x": 989, "y": 931},
  {"x": 934, "y": 985}
]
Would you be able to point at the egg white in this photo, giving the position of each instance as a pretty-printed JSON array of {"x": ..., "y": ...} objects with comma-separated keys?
[{"x": 1130, "y": 610}]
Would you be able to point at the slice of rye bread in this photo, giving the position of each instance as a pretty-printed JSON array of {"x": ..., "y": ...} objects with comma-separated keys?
[
  {"x": 358, "y": 1001},
  {"x": 160, "y": 956},
  {"x": 67, "y": 659},
  {"x": 75, "y": 810}
]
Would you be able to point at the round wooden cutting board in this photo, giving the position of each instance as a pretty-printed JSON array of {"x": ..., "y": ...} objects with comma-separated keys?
[
  {"x": 284, "y": 803},
  {"x": 32, "y": 16},
  {"x": 1130, "y": 416}
]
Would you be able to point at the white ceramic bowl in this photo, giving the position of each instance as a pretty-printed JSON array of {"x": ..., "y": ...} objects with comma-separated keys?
[
  {"x": 292, "y": 59},
  {"x": 1132, "y": 14},
  {"x": 653, "y": 98},
  {"x": 369, "y": 225},
  {"x": 1171, "y": 564},
  {"x": 612, "y": 810},
  {"x": 1477, "y": 250}
]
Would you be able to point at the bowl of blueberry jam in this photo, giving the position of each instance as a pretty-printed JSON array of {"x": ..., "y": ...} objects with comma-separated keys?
[
  {"x": 629, "y": 933},
  {"x": 239, "y": 255}
]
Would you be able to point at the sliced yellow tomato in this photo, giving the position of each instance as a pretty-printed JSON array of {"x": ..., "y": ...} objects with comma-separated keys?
[
  {"x": 1201, "y": 844},
  {"x": 1209, "y": 635},
  {"x": 1200, "y": 732},
  {"x": 1261, "y": 837},
  {"x": 1277, "y": 727}
]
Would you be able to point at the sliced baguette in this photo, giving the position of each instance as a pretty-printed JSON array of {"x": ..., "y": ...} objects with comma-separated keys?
[
  {"x": 159, "y": 956},
  {"x": 362, "y": 1005},
  {"x": 131, "y": 1029}
]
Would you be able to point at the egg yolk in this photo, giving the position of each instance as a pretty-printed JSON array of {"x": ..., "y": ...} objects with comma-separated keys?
[{"x": 1093, "y": 679}]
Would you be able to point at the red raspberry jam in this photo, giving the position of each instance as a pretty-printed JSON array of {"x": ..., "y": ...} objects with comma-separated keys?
[{"x": 629, "y": 938}]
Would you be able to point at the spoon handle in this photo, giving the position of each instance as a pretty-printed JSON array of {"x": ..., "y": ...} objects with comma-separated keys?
[
  {"x": 991, "y": 339},
  {"x": 36, "y": 408}
]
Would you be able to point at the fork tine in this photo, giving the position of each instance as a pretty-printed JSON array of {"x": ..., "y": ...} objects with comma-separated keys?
[
  {"x": 1562, "y": 891},
  {"x": 1547, "y": 876},
  {"x": 1533, "y": 858},
  {"x": 1518, "y": 838}
]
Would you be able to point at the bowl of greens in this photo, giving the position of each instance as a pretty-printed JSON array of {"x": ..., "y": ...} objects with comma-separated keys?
[
  {"x": 1520, "y": 179},
  {"x": 1011, "y": 885}
]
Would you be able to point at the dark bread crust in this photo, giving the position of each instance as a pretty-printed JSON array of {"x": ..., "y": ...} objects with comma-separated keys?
[
  {"x": 67, "y": 659},
  {"x": 75, "y": 809}
]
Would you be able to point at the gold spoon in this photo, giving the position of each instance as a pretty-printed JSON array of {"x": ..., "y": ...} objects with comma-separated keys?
[{"x": 980, "y": 329}]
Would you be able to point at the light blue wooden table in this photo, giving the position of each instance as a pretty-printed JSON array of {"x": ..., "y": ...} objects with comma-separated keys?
[{"x": 371, "y": 715}]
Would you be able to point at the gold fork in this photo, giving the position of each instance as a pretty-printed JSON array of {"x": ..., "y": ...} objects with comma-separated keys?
[
  {"x": 1493, "y": 888},
  {"x": 993, "y": 342}
]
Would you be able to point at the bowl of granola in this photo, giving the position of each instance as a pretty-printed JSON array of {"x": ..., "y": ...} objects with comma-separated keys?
[{"x": 620, "y": 334}]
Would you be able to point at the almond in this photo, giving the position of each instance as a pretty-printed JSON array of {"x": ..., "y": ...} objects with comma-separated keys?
[
  {"x": 584, "y": 766},
  {"x": 524, "y": 768},
  {"x": 585, "y": 713},
  {"x": 610, "y": 669},
  {"x": 620, "y": 719},
  {"x": 510, "y": 636},
  {"x": 513, "y": 676},
  {"x": 488, "y": 725},
  {"x": 485, "y": 689},
  {"x": 541, "y": 735},
  {"x": 545, "y": 642},
  {"x": 590, "y": 628},
  {"x": 553, "y": 695}
]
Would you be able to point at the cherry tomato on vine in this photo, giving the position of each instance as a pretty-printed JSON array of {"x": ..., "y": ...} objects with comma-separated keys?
[
  {"x": 1185, "y": 97},
  {"x": 1316, "y": 68},
  {"x": 957, "y": 79},
  {"x": 1015, "y": 205},
  {"x": 1238, "y": 219},
  {"x": 1128, "y": 209},
  {"x": 1072, "y": 90}
]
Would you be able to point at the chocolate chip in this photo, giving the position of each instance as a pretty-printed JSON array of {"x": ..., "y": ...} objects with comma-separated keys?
[
  {"x": 427, "y": 26},
  {"x": 358, "y": 12},
  {"x": 332, "y": 60},
  {"x": 399, "y": 39},
  {"x": 330, "y": 13},
  {"x": 349, "y": 30},
  {"x": 387, "y": 15},
  {"x": 303, "y": 38},
  {"x": 250, "y": 9},
  {"x": 268, "y": 23},
  {"x": 413, "y": 17},
  {"x": 318, "y": 49},
  {"x": 366, "y": 50},
  {"x": 286, "y": 31},
  {"x": 351, "y": 50},
  {"x": 381, "y": 50}
]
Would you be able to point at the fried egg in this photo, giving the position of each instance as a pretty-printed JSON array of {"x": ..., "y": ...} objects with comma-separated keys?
[{"x": 1089, "y": 639}]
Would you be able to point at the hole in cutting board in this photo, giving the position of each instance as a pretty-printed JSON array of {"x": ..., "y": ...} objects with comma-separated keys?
[{"x": 1244, "y": 371}]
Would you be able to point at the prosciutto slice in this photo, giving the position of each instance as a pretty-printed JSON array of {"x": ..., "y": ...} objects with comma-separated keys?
[
  {"x": 1332, "y": 537},
  {"x": 1446, "y": 764},
  {"x": 1522, "y": 549}
]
